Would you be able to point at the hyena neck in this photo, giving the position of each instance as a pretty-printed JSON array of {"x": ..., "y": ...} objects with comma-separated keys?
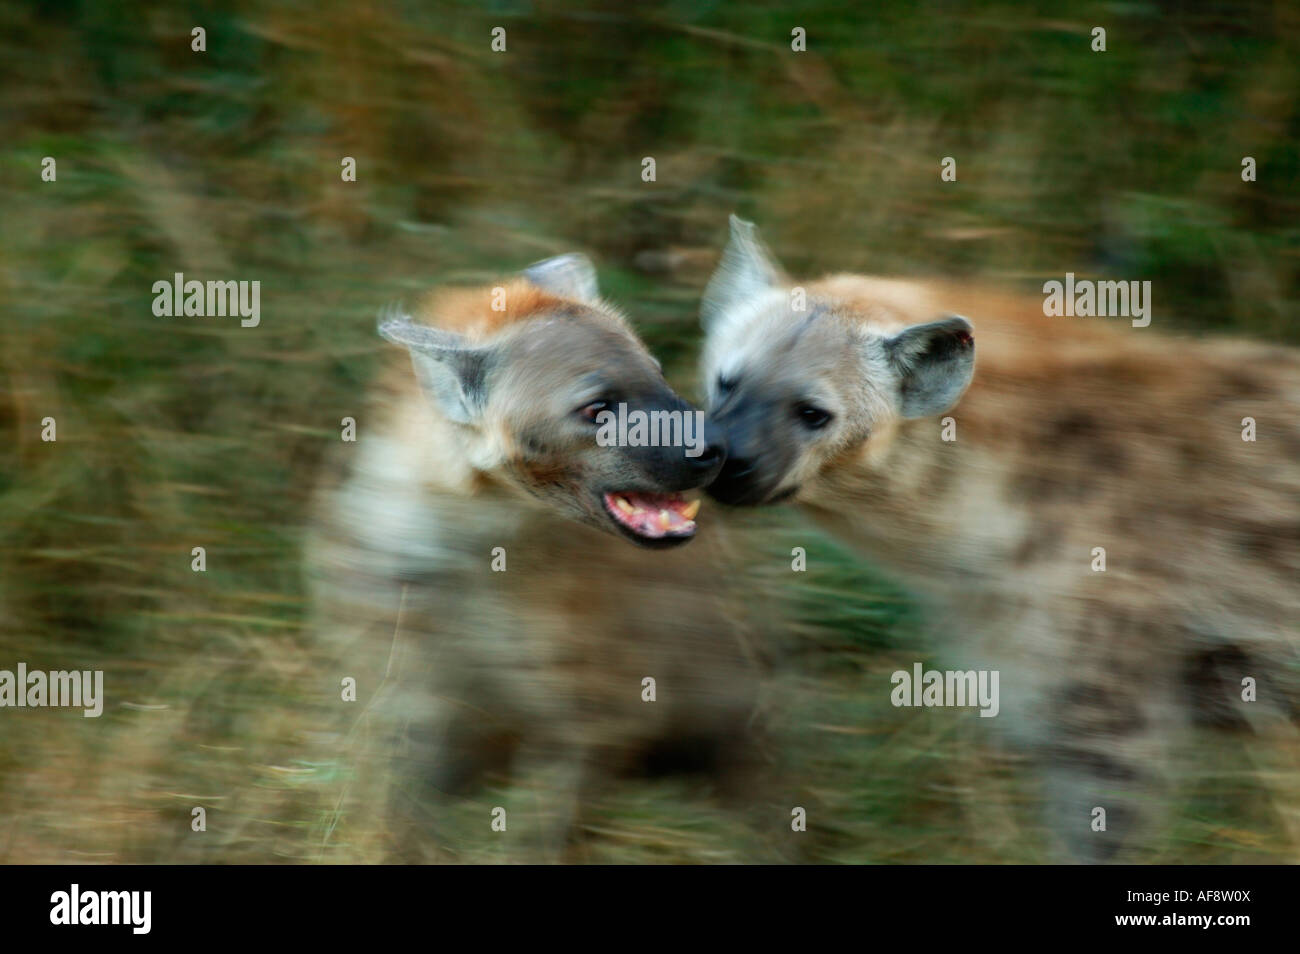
[
  {"x": 931, "y": 510},
  {"x": 987, "y": 492},
  {"x": 415, "y": 498}
]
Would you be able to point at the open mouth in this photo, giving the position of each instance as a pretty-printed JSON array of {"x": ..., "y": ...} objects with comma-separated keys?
[{"x": 653, "y": 518}]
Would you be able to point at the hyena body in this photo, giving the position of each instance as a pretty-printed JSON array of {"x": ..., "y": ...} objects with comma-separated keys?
[
  {"x": 475, "y": 578},
  {"x": 1074, "y": 436}
]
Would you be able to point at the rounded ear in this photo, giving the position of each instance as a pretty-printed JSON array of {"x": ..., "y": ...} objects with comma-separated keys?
[
  {"x": 934, "y": 362},
  {"x": 569, "y": 276},
  {"x": 747, "y": 269},
  {"x": 452, "y": 373}
]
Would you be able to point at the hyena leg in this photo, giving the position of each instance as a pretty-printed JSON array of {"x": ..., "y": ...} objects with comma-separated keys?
[
  {"x": 441, "y": 752},
  {"x": 1103, "y": 784},
  {"x": 1105, "y": 758},
  {"x": 554, "y": 780},
  {"x": 1216, "y": 687}
]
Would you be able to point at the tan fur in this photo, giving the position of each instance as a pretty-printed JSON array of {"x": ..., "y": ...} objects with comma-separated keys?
[
  {"x": 1075, "y": 433},
  {"x": 534, "y": 675},
  {"x": 469, "y": 310}
]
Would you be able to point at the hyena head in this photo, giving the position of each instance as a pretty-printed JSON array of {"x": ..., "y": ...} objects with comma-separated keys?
[
  {"x": 528, "y": 375},
  {"x": 799, "y": 382}
]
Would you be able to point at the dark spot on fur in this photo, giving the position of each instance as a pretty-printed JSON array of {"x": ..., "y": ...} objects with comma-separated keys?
[
  {"x": 1273, "y": 545},
  {"x": 1098, "y": 709},
  {"x": 1191, "y": 457},
  {"x": 1070, "y": 459},
  {"x": 1241, "y": 385},
  {"x": 1072, "y": 425},
  {"x": 1213, "y": 681},
  {"x": 1041, "y": 540},
  {"x": 1095, "y": 764}
]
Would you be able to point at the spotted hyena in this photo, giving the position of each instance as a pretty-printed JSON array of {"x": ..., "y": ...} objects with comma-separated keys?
[
  {"x": 517, "y": 600},
  {"x": 1080, "y": 500}
]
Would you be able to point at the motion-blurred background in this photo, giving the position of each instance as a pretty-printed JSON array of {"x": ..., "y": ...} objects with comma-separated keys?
[{"x": 183, "y": 432}]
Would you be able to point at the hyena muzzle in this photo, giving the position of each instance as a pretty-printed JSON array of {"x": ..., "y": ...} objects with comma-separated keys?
[
  {"x": 476, "y": 569},
  {"x": 996, "y": 491}
]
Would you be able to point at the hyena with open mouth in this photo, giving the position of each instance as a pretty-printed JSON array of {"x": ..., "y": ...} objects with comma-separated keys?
[
  {"x": 1072, "y": 437},
  {"x": 482, "y": 567}
]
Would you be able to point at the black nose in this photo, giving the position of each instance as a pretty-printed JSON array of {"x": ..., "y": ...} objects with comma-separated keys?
[
  {"x": 714, "y": 450},
  {"x": 709, "y": 456}
]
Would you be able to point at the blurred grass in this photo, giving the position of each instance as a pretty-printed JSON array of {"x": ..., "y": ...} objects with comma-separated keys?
[{"x": 174, "y": 433}]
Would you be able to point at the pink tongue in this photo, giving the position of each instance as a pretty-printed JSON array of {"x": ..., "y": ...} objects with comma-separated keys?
[{"x": 655, "y": 502}]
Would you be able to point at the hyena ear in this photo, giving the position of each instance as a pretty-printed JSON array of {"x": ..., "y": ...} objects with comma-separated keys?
[
  {"x": 569, "y": 276},
  {"x": 934, "y": 363},
  {"x": 747, "y": 269},
  {"x": 452, "y": 372}
]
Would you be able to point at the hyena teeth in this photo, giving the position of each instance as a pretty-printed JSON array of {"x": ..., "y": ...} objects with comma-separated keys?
[
  {"x": 623, "y": 505},
  {"x": 691, "y": 509},
  {"x": 665, "y": 519}
]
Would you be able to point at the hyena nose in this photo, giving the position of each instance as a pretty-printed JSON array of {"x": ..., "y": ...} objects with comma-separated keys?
[
  {"x": 710, "y": 456},
  {"x": 714, "y": 450}
]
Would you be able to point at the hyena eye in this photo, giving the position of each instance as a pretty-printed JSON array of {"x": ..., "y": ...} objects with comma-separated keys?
[
  {"x": 811, "y": 416},
  {"x": 725, "y": 385},
  {"x": 590, "y": 411}
]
